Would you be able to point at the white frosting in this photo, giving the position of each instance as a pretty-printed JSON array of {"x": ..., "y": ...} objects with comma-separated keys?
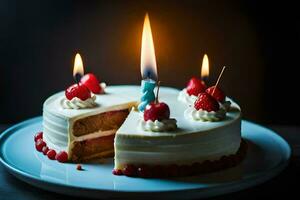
[
  {"x": 77, "y": 103},
  {"x": 192, "y": 140},
  {"x": 203, "y": 115},
  {"x": 158, "y": 126},
  {"x": 184, "y": 97},
  {"x": 58, "y": 122},
  {"x": 103, "y": 86}
]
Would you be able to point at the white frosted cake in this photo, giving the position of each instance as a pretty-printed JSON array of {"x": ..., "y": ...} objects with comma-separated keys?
[
  {"x": 114, "y": 126},
  {"x": 86, "y": 133}
]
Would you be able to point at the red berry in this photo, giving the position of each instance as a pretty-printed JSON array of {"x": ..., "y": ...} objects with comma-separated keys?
[
  {"x": 156, "y": 111},
  {"x": 40, "y": 144},
  {"x": 91, "y": 82},
  {"x": 78, "y": 90},
  {"x": 62, "y": 156},
  {"x": 129, "y": 170},
  {"x": 218, "y": 94},
  {"x": 144, "y": 171},
  {"x": 45, "y": 149},
  {"x": 37, "y": 136},
  {"x": 195, "y": 86},
  {"x": 206, "y": 102},
  {"x": 51, "y": 154},
  {"x": 78, "y": 167},
  {"x": 117, "y": 172}
]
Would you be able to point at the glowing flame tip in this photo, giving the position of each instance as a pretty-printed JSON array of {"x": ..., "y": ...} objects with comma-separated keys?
[
  {"x": 148, "y": 60},
  {"x": 78, "y": 66},
  {"x": 205, "y": 67}
]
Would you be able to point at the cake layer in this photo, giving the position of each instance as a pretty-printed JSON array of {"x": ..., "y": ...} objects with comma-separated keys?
[
  {"x": 88, "y": 149},
  {"x": 58, "y": 122},
  {"x": 101, "y": 122}
]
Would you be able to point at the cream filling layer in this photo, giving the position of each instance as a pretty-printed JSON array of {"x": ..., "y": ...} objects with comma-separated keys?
[{"x": 96, "y": 134}]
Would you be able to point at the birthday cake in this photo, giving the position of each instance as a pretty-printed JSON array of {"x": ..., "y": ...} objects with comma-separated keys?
[
  {"x": 180, "y": 144},
  {"x": 173, "y": 133}
]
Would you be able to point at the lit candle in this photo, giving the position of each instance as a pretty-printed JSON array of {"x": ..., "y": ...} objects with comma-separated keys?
[
  {"x": 148, "y": 66},
  {"x": 205, "y": 68},
  {"x": 78, "y": 70},
  {"x": 78, "y": 89}
]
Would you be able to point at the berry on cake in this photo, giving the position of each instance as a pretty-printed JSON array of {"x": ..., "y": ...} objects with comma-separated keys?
[
  {"x": 113, "y": 128},
  {"x": 82, "y": 94},
  {"x": 210, "y": 105},
  {"x": 156, "y": 116},
  {"x": 195, "y": 85}
]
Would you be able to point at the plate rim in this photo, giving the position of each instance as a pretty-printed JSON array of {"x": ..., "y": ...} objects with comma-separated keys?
[{"x": 226, "y": 187}]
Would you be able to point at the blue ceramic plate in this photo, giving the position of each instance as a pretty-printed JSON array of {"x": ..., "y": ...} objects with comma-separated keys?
[{"x": 268, "y": 154}]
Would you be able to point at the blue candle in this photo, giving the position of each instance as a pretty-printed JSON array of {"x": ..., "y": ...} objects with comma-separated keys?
[{"x": 147, "y": 90}]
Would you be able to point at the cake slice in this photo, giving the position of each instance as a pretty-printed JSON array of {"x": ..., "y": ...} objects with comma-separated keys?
[
  {"x": 89, "y": 133},
  {"x": 216, "y": 144}
]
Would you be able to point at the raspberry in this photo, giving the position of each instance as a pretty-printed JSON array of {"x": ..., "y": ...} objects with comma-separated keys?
[{"x": 206, "y": 102}]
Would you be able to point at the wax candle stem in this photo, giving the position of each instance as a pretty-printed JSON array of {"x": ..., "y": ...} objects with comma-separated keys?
[
  {"x": 147, "y": 89},
  {"x": 157, "y": 92}
]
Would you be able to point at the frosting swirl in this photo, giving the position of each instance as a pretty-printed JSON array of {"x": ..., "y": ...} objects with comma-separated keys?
[
  {"x": 158, "y": 126},
  {"x": 77, "y": 103},
  {"x": 184, "y": 97},
  {"x": 203, "y": 115}
]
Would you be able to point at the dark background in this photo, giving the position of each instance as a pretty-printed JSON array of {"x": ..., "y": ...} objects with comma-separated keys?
[{"x": 258, "y": 41}]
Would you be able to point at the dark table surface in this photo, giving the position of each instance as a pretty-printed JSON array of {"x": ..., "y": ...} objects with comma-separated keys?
[{"x": 285, "y": 185}]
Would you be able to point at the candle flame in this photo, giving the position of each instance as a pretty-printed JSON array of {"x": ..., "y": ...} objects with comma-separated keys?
[
  {"x": 78, "y": 66},
  {"x": 148, "y": 60},
  {"x": 205, "y": 67}
]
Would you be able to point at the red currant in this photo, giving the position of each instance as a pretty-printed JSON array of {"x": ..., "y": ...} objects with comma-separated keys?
[
  {"x": 37, "y": 136},
  {"x": 51, "y": 154},
  {"x": 62, "y": 156},
  {"x": 40, "y": 144}
]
